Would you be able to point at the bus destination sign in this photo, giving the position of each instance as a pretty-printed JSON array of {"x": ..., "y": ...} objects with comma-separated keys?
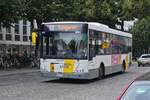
[{"x": 64, "y": 27}]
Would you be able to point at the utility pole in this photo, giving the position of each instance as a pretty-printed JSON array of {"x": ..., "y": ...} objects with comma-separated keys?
[{"x": 35, "y": 37}]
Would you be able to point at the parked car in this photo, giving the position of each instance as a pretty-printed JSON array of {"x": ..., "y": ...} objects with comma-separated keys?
[
  {"x": 143, "y": 60},
  {"x": 139, "y": 89}
]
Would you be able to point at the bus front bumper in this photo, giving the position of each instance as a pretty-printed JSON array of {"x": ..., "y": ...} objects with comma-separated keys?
[{"x": 89, "y": 75}]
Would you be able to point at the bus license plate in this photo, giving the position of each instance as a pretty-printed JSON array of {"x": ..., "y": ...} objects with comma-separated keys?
[
  {"x": 60, "y": 74},
  {"x": 66, "y": 66}
]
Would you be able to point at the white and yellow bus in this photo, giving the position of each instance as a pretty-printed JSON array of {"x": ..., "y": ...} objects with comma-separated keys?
[{"x": 83, "y": 50}]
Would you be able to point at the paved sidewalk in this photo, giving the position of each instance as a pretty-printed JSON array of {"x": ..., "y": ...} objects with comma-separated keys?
[{"x": 18, "y": 71}]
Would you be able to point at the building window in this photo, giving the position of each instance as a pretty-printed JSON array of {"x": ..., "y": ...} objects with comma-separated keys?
[
  {"x": 24, "y": 29},
  {"x": 1, "y": 36},
  {"x": 30, "y": 38},
  {"x": 25, "y": 38},
  {"x": 8, "y": 37},
  {"x": 24, "y": 22},
  {"x": 16, "y": 28},
  {"x": 8, "y": 29},
  {"x": 17, "y": 37}
]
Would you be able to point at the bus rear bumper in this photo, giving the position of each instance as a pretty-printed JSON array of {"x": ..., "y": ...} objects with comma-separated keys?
[{"x": 89, "y": 75}]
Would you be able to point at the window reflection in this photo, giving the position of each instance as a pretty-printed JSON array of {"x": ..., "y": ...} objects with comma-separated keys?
[
  {"x": 107, "y": 43},
  {"x": 65, "y": 45}
]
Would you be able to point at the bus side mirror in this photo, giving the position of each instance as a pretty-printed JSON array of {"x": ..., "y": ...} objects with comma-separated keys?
[{"x": 34, "y": 37}]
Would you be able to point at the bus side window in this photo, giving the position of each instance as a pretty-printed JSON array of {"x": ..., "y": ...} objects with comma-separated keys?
[
  {"x": 91, "y": 45},
  {"x": 96, "y": 46},
  {"x": 91, "y": 52}
]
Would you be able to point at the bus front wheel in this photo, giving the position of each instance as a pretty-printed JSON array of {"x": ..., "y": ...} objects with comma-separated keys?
[{"x": 101, "y": 72}]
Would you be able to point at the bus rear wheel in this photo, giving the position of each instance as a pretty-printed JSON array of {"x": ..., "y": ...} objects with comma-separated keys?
[{"x": 123, "y": 67}]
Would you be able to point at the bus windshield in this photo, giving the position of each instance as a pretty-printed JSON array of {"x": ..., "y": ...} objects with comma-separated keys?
[{"x": 65, "y": 45}]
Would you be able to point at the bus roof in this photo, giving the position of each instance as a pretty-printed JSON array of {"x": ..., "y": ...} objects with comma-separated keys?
[
  {"x": 102, "y": 28},
  {"x": 95, "y": 26}
]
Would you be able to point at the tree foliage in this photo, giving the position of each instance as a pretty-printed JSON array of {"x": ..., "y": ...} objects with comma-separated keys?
[
  {"x": 108, "y": 12},
  {"x": 10, "y": 11},
  {"x": 141, "y": 35},
  {"x": 104, "y": 11},
  {"x": 53, "y": 10},
  {"x": 141, "y": 8}
]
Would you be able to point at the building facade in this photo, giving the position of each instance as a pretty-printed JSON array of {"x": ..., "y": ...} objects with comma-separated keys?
[{"x": 16, "y": 38}]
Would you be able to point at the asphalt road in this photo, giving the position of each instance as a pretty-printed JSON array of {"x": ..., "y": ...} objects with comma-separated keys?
[{"x": 32, "y": 86}]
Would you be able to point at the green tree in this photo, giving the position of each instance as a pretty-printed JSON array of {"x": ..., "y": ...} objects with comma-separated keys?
[
  {"x": 103, "y": 11},
  {"x": 89, "y": 10},
  {"x": 39, "y": 10},
  {"x": 141, "y": 35},
  {"x": 10, "y": 11},
  {"x": 131, "y": 9},
  {"x": 141, "y": 8},
  {"x": 126, "y": 11},
  {"x": 107, "y": 12}
]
